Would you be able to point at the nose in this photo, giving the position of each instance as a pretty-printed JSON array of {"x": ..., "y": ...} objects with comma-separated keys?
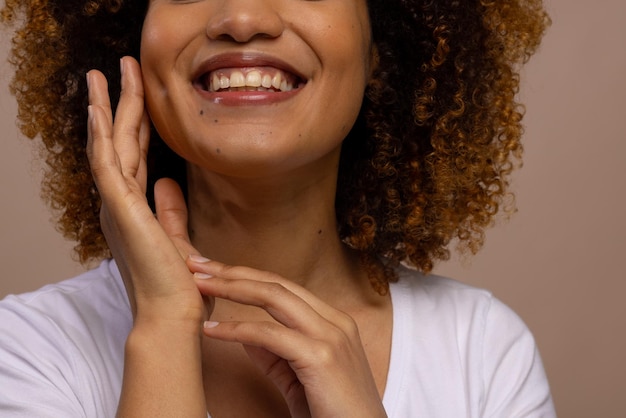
[{"x": 244, "y": 20}]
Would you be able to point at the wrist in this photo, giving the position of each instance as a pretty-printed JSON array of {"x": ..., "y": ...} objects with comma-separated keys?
[
  {"x": 152, "y": 329},
  {"x": 169, "y": 314},
  {"x": 162, "y": 372}
]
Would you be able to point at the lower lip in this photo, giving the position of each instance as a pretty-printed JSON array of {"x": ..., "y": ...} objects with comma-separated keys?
[{"x": 247, "y": 98}]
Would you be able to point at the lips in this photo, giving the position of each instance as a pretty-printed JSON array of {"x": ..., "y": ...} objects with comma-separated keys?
[{"x": 227, "y": 73}]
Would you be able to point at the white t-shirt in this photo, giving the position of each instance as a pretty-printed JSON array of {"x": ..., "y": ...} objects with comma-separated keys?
[{"x": 456, "y": 351}]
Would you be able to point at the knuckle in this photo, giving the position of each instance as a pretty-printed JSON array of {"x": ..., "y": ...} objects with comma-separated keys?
[
  {"x": 267, "y": 328},
  {"x": 236, "y": 328},
  {"x": 273, "y": 289},
  {"x": 271, "y": 292},
  {"x": 346, "y": 323},
  {"x": 226, "y": 271},
  {"x": 271, "y": 277},
  {"x": 100, "y": 166},
  {"x": 325, "y": 353},
  {"x": 244, "y": 333},
  {"x": 336, "y": 338}
]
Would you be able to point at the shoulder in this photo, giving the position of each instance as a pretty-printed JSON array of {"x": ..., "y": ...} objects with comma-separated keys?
[
  {"x": 63, "y": 343},
  {"x": 472, "y": 314},
  {"x": 468, "y": 345},
  {"x": 441, "y": 298},
  {"x": 89, "y": 301},
  {"x": 443, "y": 316},
  {"x": 104, "y": 277}
]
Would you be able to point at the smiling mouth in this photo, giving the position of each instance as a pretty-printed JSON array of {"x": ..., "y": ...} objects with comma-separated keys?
[{"x": 265, "y": 79}]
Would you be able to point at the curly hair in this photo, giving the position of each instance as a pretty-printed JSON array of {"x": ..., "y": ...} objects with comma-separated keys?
[{"x": 427, "y": 162}]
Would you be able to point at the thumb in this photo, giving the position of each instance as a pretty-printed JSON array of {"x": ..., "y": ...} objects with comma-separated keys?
[{"x": 171, "y": 212}]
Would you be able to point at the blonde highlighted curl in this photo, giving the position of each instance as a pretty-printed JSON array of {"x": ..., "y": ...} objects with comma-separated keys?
[{"x": 427, "y": 162}]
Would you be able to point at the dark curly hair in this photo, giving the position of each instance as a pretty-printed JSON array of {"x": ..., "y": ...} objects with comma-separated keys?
[{"x": 427, "y": 162}]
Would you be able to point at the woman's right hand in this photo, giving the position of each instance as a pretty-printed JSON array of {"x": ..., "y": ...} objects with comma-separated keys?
[
  {"x": 163, "y": 362},
  {"x": 152, "y": 265}
]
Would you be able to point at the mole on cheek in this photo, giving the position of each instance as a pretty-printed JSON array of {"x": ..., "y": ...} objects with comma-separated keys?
[
  {"x": 201, "y": 112},
  {"x": 219, "y": 151},
  {"x": 215, "y": 120}
]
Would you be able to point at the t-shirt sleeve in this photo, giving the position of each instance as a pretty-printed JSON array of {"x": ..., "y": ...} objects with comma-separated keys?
[
  {"x": 36, "y": 370},
  {"x": 515, "y": 382}
]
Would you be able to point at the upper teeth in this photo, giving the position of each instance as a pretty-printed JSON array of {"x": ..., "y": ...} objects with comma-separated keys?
[{"x": 252, "y": 80}]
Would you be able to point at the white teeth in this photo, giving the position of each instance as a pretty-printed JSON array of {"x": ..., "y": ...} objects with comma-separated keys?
[
  {"x": 224, "y": 83},
  {"x": 266, "y": 81},
  {"x": 276, "y": 81},
  {"x": 251, "y": 81},
  {"x": 237, "y": 79}
]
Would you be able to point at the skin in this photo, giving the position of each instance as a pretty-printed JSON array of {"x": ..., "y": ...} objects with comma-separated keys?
[{"x": 298, "y": 331}]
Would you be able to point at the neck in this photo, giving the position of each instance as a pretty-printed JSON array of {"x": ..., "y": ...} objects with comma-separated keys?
[{"x": 284, "y": 224}]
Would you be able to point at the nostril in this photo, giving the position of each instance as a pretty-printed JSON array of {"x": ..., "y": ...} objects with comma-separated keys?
[
  {"x": 224, "y": 37},
  {"x": 239, "y": 37}
]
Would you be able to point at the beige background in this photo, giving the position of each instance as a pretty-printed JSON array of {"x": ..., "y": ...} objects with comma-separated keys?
[{"x": 558, "y": 262}]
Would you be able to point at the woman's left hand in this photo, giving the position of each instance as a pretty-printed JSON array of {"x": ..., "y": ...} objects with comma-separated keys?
[{"x": 311, "y": 352}]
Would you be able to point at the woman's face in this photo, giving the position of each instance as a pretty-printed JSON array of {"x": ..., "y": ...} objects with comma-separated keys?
[{"x": 246, "y": 87}]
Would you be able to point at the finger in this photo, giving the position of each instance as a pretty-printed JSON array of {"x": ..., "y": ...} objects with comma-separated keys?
[
  {"x": 144, "y": 142},
  {"x": 283, "y": 305},
  {"x": 98, "y": 93},
  {"x": 300, "y": 350},
  {"x": 131, "y": 127},
  {"x": 335, "y": 365},
  {"x": 100, "y": 152},
  {"x": 99, "y": 122},
  {"x": 223, "y": 271},
  {"x": 124, "y": 206},
  {"x": 103, "y": 159},
  {"x": 283, "y": 377},
  {"x": 171, "y": 211}
]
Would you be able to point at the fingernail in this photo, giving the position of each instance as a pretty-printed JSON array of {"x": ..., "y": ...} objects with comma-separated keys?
[
  {"x": 122, "y": 66},
  {"x": 87, "y": 78},
  {"x": 198, "y": 258},
  {"x": 210, "y": 324},
  {"x": 201, "y": 276},
  {"x": 90, "y": 113}
]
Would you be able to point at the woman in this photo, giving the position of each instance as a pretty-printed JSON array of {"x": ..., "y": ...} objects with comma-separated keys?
[{"x": 318, "y": 146}]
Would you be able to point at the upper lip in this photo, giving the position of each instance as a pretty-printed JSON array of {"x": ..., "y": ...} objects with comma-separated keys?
[{"x": 243, "y": 60}]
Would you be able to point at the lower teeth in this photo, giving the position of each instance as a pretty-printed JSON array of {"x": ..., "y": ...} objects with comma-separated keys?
[{"x": 247, "y": 89}]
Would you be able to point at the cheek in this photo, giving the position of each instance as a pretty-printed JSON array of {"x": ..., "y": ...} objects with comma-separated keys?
[
  {"x": 158, "y": 46},
  {"x": 151, "y": 35},
  {"x": 163, "y": 37},
  {"x": 154, "y": 45},
  {"x": 348, "y": 43}
]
